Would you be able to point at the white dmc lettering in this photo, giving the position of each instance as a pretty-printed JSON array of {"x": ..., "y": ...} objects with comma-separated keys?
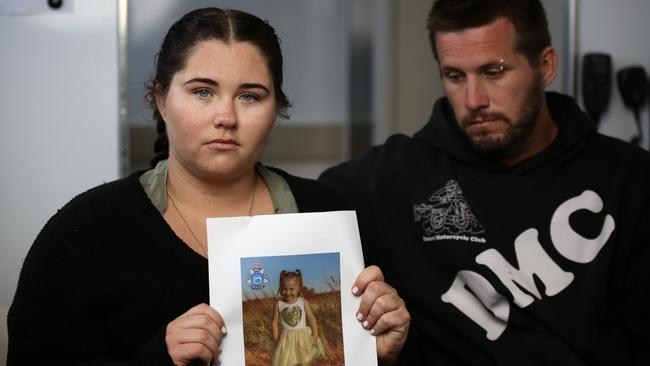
[
  {"x": 475, "y": 305},
  {"x": 475, "y": 297},
  {"x": 572, "y": 245}
]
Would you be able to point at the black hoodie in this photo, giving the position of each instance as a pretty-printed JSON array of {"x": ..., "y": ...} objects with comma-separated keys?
[{"x": 546, "y": 262}]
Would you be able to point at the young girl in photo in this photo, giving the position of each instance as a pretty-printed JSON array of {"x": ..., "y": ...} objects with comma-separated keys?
[{"x": 299, "y": 343}]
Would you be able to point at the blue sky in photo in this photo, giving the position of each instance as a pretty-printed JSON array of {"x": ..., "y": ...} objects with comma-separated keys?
[{"x": 316, "y": 268}]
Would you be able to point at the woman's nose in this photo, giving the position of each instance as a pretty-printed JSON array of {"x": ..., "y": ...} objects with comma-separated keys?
[{"x": 226, "y": 116}]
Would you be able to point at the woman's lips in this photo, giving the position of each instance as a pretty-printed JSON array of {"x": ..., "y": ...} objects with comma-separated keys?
[{"x": 223, "y": 144}]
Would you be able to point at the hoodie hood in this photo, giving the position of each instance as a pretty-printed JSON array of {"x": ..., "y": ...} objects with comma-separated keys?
[{"x": 574, "y": 129}]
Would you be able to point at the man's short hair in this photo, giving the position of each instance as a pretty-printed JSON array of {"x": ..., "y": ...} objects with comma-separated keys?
[{"x": 527, "y": 16}]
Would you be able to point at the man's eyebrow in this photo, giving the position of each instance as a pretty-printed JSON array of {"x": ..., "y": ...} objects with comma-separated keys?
[
  {"x": 498, "y": 64},
  {"x": 449, "y": 68}
]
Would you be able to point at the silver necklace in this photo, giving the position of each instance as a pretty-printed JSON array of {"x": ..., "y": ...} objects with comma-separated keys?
[{"x": 187, "y": 225}]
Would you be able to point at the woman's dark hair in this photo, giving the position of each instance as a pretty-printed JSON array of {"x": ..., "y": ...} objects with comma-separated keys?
[
  {"x": 527, "y": 16},
  {"x": 210, "y": 24}
]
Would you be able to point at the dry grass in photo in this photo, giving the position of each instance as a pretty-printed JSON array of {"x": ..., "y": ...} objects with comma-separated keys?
[{"x": 258, "y": 340}]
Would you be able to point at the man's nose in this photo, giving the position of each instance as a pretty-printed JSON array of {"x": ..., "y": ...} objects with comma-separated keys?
[{"x": 476, "y": 96}]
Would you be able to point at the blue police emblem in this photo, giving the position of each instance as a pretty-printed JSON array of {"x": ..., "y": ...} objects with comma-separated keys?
[{"x": 257, "y": 280}]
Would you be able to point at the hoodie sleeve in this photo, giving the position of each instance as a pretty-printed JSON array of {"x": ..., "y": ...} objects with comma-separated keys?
[
  {"x": 352, "y": 181},
  {"x": 357, "y": 180}
]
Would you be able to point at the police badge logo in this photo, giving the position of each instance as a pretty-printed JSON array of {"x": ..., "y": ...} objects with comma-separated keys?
[{"x": 257, "y": 280}]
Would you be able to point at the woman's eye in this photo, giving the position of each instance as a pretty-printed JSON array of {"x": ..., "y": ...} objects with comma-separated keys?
[
  {"x": 249, "y": 97},
  {"x": 203, "y": 93}
]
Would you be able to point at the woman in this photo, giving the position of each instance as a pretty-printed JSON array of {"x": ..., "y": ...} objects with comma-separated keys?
[{"x": 119, "y": 275}]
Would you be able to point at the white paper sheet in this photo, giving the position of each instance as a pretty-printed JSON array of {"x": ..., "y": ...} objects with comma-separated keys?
[{"x": 245, "y": 257}]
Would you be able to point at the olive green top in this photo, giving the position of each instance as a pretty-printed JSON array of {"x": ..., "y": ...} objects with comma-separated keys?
[{"x": 154, "y": 183}]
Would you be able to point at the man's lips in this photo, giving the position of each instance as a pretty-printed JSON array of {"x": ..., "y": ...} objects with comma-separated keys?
[{"x": 484, "y": 121}]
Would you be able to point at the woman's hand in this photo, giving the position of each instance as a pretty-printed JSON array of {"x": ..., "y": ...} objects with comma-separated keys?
[
  {"x": 195, "y": 335},
  {"x": 382, "y": 312}
]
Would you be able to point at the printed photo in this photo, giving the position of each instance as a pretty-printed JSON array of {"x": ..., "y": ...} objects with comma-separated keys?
[{"x": 291, "y": 308}]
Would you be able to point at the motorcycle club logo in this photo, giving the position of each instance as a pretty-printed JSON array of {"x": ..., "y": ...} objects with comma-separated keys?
[
  {"x": 447, "y": 216},
  {"x": 257, "y": 280}
]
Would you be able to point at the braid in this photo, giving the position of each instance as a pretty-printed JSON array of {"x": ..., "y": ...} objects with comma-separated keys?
[{"x": 161, "y": 146}]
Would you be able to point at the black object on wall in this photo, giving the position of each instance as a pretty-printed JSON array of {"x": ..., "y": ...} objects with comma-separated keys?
[
  {"x": 55, "y": 4},
  {"x": 633, "y": 85},
  {"x": 596, "y": 83}
]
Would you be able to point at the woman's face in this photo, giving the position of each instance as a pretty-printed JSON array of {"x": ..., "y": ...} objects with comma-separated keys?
[
  {"x": 219, "y": 110},
  {"x": 289, "y": 290}
]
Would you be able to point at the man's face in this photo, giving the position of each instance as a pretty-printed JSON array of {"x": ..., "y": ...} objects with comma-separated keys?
[{"x": 495, "y": 92}]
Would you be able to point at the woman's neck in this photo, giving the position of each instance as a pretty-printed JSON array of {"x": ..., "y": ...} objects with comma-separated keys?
[
  {"x": 234, "y": 196},
  {"x": 192, "y": 200}
]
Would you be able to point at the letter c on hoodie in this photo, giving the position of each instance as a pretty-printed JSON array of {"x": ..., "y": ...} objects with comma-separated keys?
[{"x": 572, "y": 245}]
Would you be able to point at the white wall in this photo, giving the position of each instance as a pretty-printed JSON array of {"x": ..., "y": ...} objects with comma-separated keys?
[
  {"x": 620, "y": 28},
  {"x": 59, "y": 120},
  {"x": 561, "y": 24},
  {"x": 415, "y": 78}
]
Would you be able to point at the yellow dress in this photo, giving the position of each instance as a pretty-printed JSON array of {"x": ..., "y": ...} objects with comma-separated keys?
[{"x": 296, "y": 345}]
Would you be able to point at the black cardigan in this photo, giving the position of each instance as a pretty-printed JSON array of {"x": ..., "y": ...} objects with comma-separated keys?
[{"x": 107, "y": 274}]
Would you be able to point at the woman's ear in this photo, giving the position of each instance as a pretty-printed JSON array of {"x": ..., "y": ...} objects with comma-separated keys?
[
  {"x": 548, "y": 65},
  {"x": 160, "y": 100}
]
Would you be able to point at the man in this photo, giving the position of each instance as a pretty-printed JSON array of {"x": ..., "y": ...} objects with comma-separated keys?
[{"x": 516, "y": 234}]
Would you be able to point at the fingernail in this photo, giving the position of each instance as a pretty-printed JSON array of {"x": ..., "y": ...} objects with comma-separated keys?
[
  {"x": 359, "y": 316},
  {"x": 355, "y": 290},
  {"x": 372, "y": 331},
  {"x": 224, "y": 330},
  {"x": 365, "y": 324}
]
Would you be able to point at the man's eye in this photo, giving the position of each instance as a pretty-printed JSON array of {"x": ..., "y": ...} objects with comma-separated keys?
[
  {"x": 493, "y": 73},
  {"x": 454, "y": 76}
]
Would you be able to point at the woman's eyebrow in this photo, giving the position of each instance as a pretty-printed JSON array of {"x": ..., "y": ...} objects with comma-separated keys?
[
  {"x": 254, "y": 86},
  {"x": 215, "y": 83},
  {"x": 201, "y": 80}
]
